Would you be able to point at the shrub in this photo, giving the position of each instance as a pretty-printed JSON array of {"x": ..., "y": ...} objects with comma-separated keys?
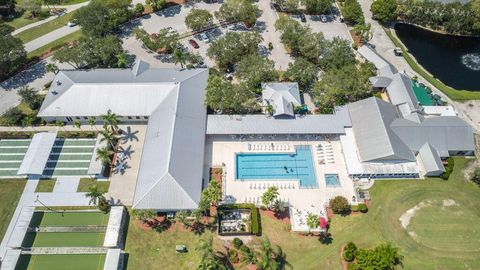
[
  {"x": 245, "y": 249},
  {"x": 448, "y": 168},
  {"x": 349, "y": 252},
  {"x": 12, "y": 117},
  {"x": 237, "y": 242},
  {"x": 233, "y": 256},
  {"x": 138, "y": 10},
  {"x": 362, "y": 207},
  {"x": 339, "y": 205}
]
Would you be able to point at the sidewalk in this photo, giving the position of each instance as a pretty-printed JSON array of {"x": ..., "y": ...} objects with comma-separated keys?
[{"x": 68, "y": 9}]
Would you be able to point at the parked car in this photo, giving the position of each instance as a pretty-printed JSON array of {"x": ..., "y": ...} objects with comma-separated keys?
[
  {"x": 323, "y": 18},
  {"x": 303, "y": 18},
  {"x": 204, "y": 37},
  {"x": 397, "y": 51},
  {"x": 71, "y": 24},
  {"x": 193, "y": 43}
]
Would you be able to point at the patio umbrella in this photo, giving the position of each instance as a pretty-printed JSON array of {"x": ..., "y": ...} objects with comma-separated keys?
[{"x": 323, "y": 223}]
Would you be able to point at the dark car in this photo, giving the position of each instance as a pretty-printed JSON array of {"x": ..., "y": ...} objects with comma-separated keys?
[
  {"x": 193, "y": 43},
  {"x": 303, "y": 18}
]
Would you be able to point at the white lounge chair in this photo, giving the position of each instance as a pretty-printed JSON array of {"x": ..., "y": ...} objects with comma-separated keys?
[{"x": 249, "y": 147}]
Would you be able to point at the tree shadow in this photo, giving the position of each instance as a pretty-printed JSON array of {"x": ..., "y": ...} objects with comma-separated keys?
[
  {"x": 129, "y": 135},
  {"x": 25, "y": 77},
  {"x": 170, "y": 11},
  {"x": 325, "y": 238}
]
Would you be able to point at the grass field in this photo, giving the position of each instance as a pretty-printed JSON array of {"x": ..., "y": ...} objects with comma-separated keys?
[
  {"x": 10, "y": 192},
  {"x": 23, "y": 20},
  {"x": 68, "y": 219},
  {"x": 61, "y": 262},
  {"x": 55, "y": 45},
  {"x": 446, "y": 237},
  {"x": 40, "y": 30},
  {"x": 86, "y": 183},
  {"x": 46, "y": 185},
  {"x": 60, "y": 239}
]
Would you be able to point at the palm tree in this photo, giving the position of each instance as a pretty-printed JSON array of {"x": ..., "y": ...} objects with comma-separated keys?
[
  {"x": 77, "y": 124},
  {"x": 208, "y": 260},
  {"x": 214, "y": 192},
  {"x": 92, "y": 121},
  {"x": 109, "y": 137},
  {"x": 313, "y": 221},
  {"x": 103, "y": 154},
  {"x": 270, "y": 259},
  {"x": 94, "y": 194},
  {"x": 111, "y": 120},
  {"x": 269, "y": 196},
  {"x": 179, "y": 56}
]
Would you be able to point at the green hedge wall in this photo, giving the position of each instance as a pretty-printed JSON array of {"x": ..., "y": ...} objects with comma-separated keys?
[{"x": 256, "y": 226}]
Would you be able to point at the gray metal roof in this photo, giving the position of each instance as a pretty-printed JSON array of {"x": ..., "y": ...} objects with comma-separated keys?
[
  {"x": 37, "y": 154},
  {"x": 375, "y": 140},
  {"x": 170, "y": 174},
  {"x": 400, "y": 92},
  {"x": 384, "y": 67},
  {"x": 127, "y": 92},
  {"x": 380, "y": 82},
  {"x": 282, "y": 96},
  {"x": 261, "y": 124},
  {"x": 444, "y": 133},
  {"x": 430, "y": 159}
]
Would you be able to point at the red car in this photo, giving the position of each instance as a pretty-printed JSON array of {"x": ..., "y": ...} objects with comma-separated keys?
[{"x": 193, "y": 43}]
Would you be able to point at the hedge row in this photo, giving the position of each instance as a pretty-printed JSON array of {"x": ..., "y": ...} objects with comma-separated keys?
[
  {"x": 448, "y": 169},
  {"x": 255, "y": 222},
  {"x": 60, "y": 134}
]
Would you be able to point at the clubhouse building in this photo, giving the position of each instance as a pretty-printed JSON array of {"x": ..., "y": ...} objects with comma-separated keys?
[{"x": 309, "y": 158}]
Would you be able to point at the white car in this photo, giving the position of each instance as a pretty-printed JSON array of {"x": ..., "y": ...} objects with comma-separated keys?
[
  {"x": 204, "y": 37},
  {"x": 71, "y": 24}
]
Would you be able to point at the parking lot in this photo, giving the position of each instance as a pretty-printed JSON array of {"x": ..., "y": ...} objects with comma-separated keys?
[{"x": 175, "y": 17}]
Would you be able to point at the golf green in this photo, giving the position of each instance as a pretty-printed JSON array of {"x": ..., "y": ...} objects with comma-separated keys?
[
  {"x": 61, "y": 239},
  {"x": 61, "y": 262},
  {"x": 68, "y": 219}
]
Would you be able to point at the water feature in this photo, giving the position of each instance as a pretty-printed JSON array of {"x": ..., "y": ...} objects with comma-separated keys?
[{"x": 454, "y": 60}]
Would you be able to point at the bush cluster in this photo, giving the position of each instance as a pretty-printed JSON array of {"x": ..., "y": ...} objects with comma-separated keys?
[
  {"x": 349, "y": 252},
  {"x": 448, "y": 169}
]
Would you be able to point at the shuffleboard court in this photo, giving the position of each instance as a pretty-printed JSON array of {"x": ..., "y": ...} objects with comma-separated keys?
[
  {"x": 61, "y": 262},
  {"x": 68, "y": 219},
  {"x": 61, "y": 239}
]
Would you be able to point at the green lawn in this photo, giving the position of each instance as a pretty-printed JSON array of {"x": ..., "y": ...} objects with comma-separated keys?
[
  {"x": 446, "y": 237},
  {"x": 46, "y": 185},
  {"x": 40, "y": 30},
  {"x": 22, "y": 19},
  {"x": 55, "y": 45},
  {"x": 152, "y": 250},
  {"x": 86, "y": 183},
  {"x": 61, "y": 239},
  {"x": 59, "y": 262},
  {"x": 10, "y": 192},
  {"x": 68, "y": 219}
]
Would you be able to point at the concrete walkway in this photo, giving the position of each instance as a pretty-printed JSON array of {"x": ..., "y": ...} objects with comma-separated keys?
[
  {"x": 50, "y": 37},
  {"x": 68, "y": 9},
  {"x": 66, "y": 184}
]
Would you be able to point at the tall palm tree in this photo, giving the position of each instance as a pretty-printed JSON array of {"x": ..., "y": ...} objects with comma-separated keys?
[
  {"x": 109, "y": 137},
  {"x": 214, "y": 192},
  {"x": 266, "y": 260},
  {"x": 111, "y": 120},
  {"x": 94, "y": 194},
  {"x": 179, "y": 56},
  {"x": 208, "y": 260},
  {"x": 103, "y": 154}
]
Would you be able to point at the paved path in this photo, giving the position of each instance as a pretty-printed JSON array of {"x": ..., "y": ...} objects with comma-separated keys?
[
  {"x": 65, "y": 250},
  {"x": 68, "y": 9},
  {"x": 67, "y": 184},
  {"x": 50, "y": 37}
]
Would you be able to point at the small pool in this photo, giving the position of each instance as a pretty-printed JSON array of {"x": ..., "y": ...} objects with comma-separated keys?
[
  {"x": 278, "y": 166},
  {"x": 331, "y": 180}
]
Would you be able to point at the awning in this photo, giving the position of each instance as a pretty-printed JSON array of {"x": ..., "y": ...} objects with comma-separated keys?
[
  {"x": 37, "y": 154},
  {"x": 323, "y": 223}
]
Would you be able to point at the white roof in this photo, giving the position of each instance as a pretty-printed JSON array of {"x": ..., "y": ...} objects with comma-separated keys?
[
  {"x": 171, "y": 169},
  {"x": 430, "y": 159},
  {"x": 439, "y": 110},
  {"x": 11, "y": 259},
  {"x": 384, "y": 67},
  {"x": 96, "y": 165},
  {"x": 114, "y": 227},
  {"x": 37, "y": 154},
  {"x": 282, "y": 96},
  {"x": 261, "y": 124},
  {"x": 112, "y": 260}
]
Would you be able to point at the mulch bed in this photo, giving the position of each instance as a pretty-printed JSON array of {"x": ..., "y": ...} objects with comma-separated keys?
[
  {"x": 284, "y": 217},
  {"x": 356, "y": 39}
]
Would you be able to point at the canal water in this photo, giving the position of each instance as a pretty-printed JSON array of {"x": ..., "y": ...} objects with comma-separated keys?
[{"x": 453, "y": 60}]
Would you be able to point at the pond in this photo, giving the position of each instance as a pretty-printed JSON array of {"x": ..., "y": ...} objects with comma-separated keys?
[{"x": 453, "y": 60}]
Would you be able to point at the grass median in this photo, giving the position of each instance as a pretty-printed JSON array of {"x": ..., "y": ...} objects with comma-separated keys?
[
  {"x": 40, "y": 30},
  {"x": 10, "y": 192},
  {"x": 454, "y": 94}
]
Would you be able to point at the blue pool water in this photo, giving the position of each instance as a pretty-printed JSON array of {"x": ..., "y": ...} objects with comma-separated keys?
[
  {"x": 265, "y": 166},
  {"x": 331, "y": 180}
]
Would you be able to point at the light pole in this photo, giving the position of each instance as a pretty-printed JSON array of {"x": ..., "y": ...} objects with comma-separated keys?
[{"x": 51, "y": 209}]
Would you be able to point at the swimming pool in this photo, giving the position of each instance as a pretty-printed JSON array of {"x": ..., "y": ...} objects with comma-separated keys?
[
  {"x": 331, "y": 180},
  {"x": 276, "y": 166}
]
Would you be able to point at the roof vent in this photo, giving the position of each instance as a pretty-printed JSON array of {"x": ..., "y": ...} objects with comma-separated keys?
[
  {"x": 54, "y": 92},
  {"x": 58, "y": 82}
]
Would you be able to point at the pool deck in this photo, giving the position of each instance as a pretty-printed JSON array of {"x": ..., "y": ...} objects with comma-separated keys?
[{"x": 221, "y": 153}]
